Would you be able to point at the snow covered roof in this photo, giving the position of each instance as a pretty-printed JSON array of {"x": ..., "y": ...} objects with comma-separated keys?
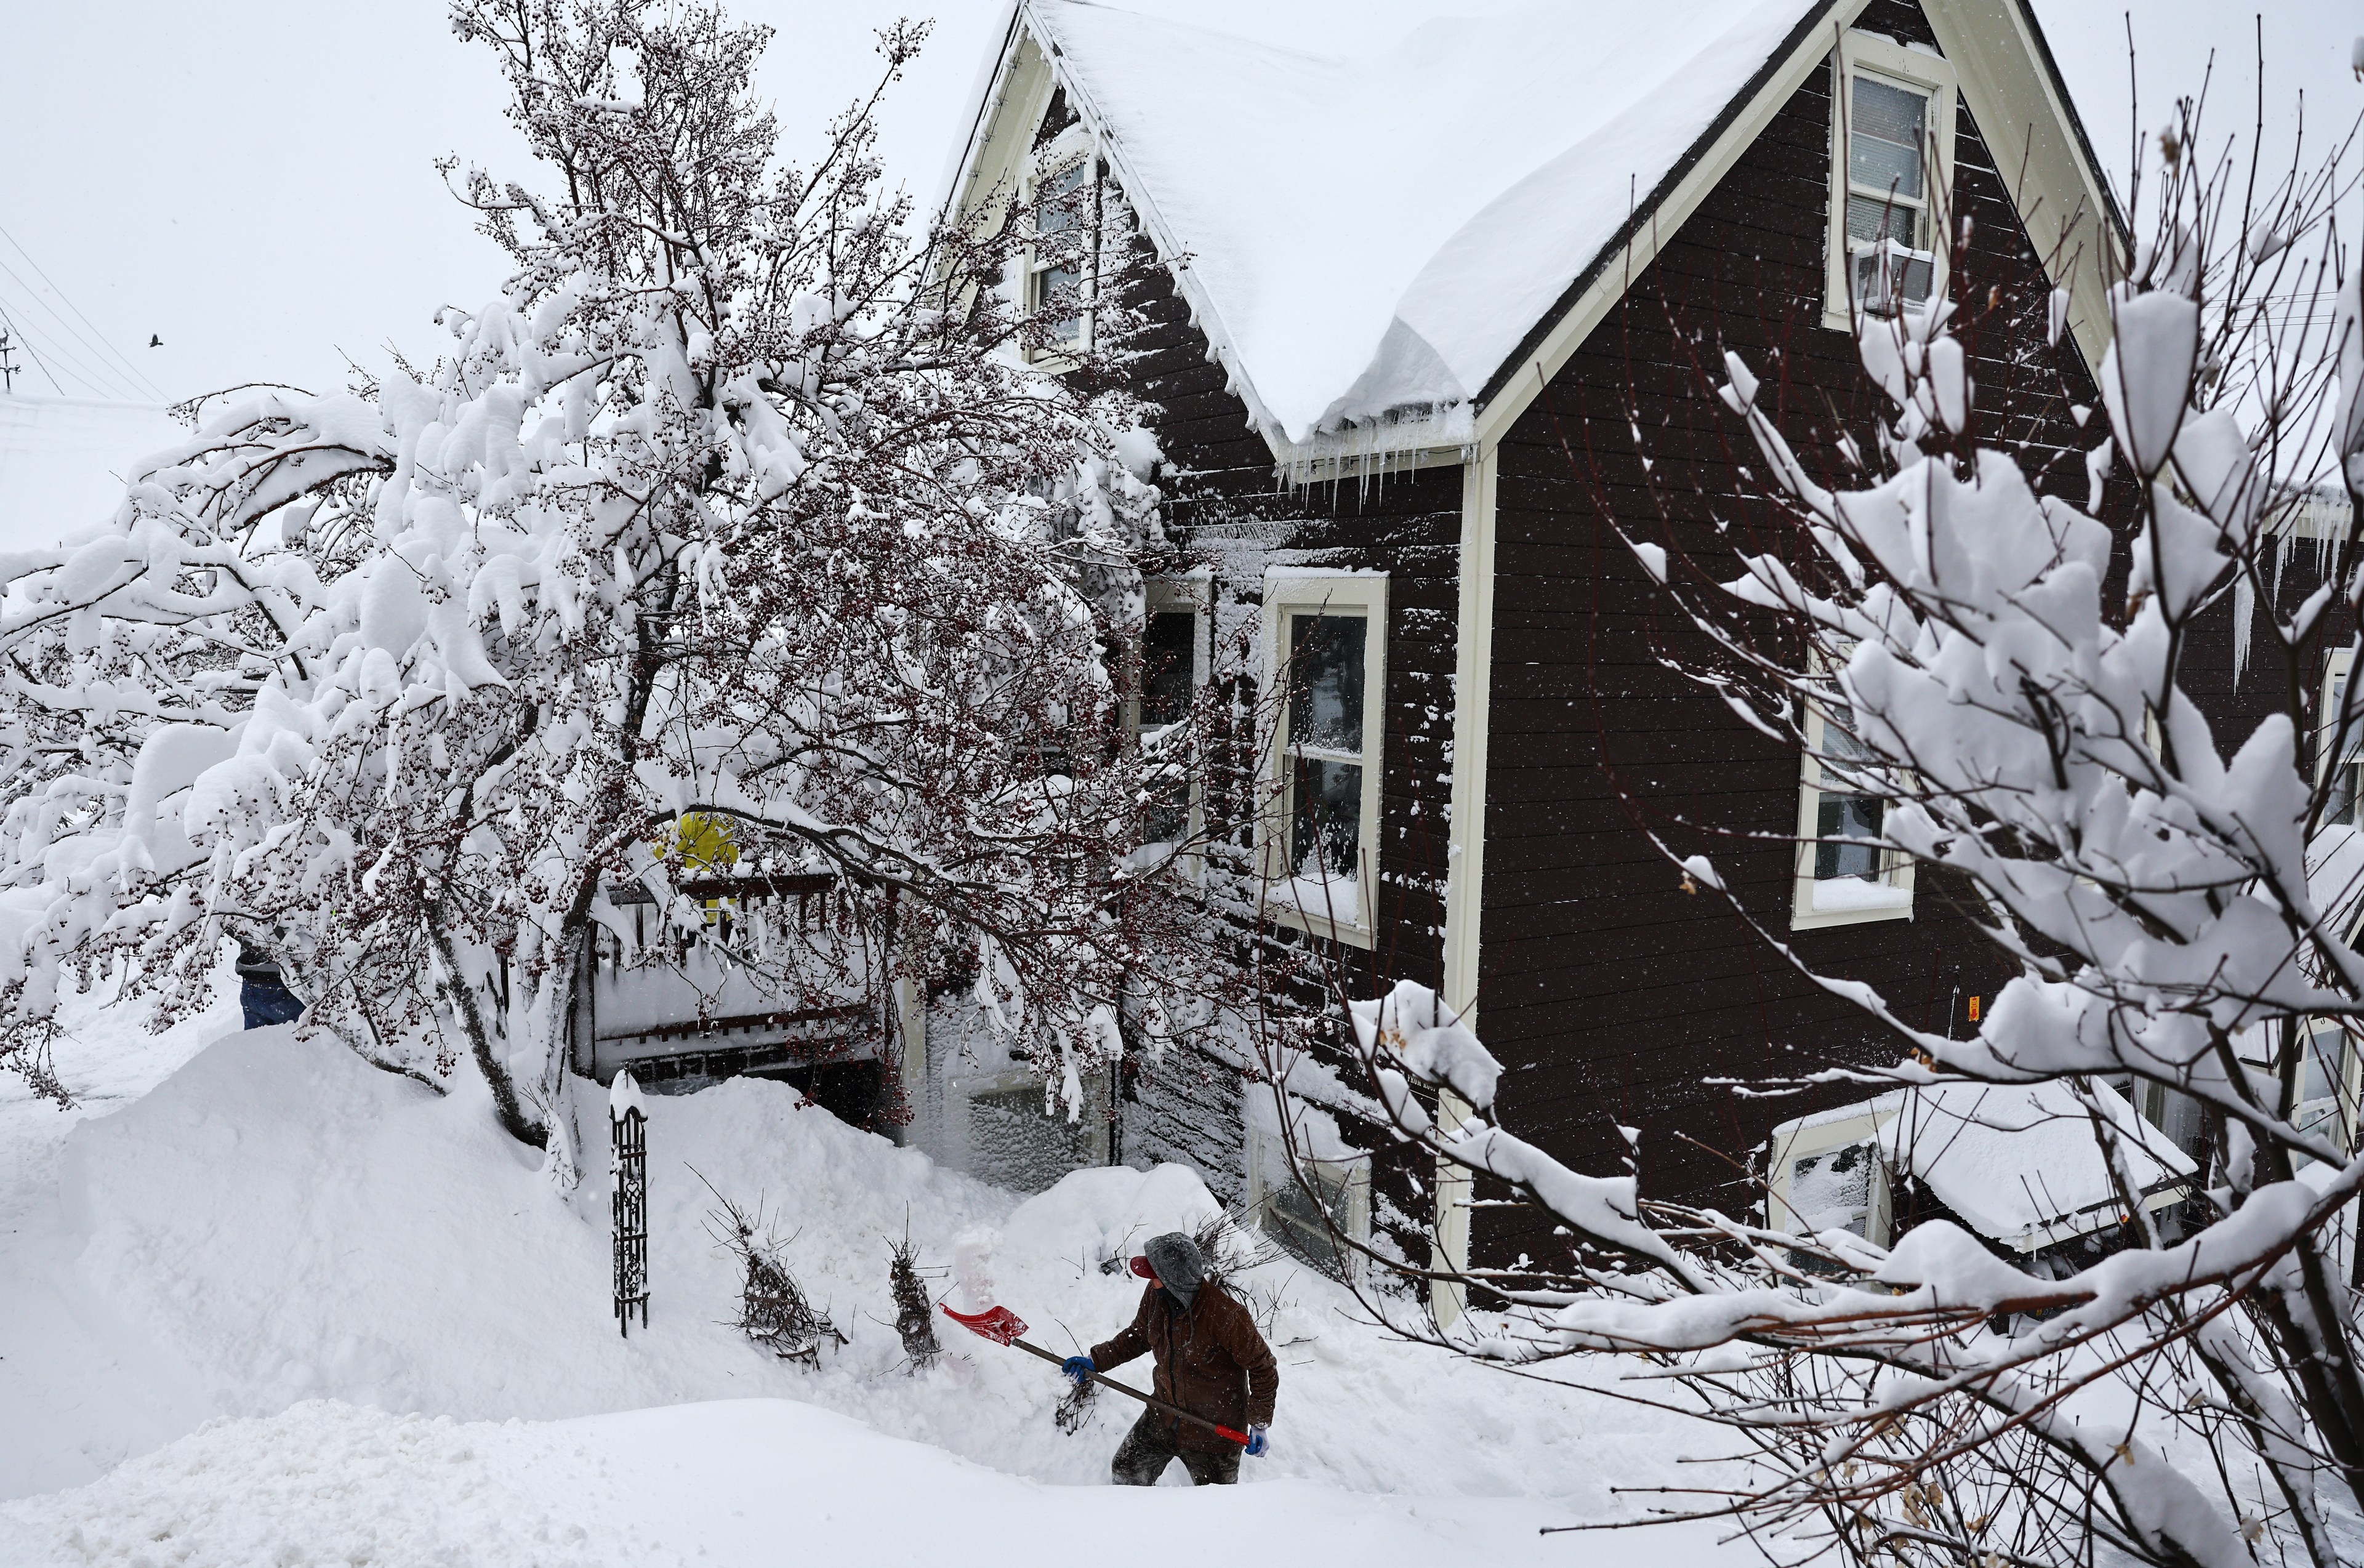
[
  {"x": 2019, "y": 1164},
  {"x": 63, "y": 462},
  {"x": 1373, "y": 205},
  {"x": 1377, "y": 230}
]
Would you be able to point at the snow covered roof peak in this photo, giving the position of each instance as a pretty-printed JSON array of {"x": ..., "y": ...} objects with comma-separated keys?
[{"x": 1371, "y": 231}]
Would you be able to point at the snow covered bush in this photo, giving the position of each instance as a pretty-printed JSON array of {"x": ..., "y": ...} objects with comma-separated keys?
[
  {"x": 2015, "y": 686},
  {"x": 735, "y": 539}
]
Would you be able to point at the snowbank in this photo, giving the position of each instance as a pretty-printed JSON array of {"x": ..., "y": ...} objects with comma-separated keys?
[
  {"x": 277, "y": 1222},
  {"x": 753, "y": 1482}
]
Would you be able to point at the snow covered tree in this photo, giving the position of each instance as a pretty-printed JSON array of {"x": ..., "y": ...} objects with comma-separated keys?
[
  {"x": 737, "y": 536},
  {"x": 2015, "y": 687}
]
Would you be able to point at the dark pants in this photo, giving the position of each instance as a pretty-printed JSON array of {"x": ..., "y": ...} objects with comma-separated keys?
[{"x": 1147, "y": 1451}]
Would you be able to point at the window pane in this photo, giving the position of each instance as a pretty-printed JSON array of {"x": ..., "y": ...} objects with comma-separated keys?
[
  {"x": 1325, "y": 821},
  {"x": 1871, "y": 218},
  {"x": 1325, "y": 668},
  {"x": 1054, "y": 287},
  {"x": 1051, "y": 212},
  {"x": 1166, "y": 666},
  {"x": 1297, "y": 1223},
  {"x": 1842, "y": 821},
  {"x": 1887, "y": 128},
  {"x": 1833, "y": 1190}
]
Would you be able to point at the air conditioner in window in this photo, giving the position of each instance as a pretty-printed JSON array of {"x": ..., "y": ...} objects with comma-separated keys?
[{"x": 1887, "y": 273}]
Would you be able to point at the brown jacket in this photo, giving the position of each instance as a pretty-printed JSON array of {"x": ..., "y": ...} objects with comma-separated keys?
[{"x": 1210, "y": 1361}]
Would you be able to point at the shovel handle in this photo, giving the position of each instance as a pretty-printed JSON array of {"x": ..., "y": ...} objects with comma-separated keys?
[{"x": 1217, "y": 1427}]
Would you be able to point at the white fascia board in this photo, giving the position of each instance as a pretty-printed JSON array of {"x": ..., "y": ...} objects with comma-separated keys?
[
  {"x": 982, "y": 97},
  {"x": 2062, "y": 199}
]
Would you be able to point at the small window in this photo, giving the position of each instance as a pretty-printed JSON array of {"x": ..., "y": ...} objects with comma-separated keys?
[
  {"x": 1891, "y": 168},
  {"x": 1826, "y": 1173},
  {"x": 1305, "y": 1219},
  {"x": 1171, "y": 671},
  {"x": 1845, "y": 875},
  {"x": 1065, "y": 202},
  {"x": 1325, "y": 638},
  {"x": 2344, "y": 771}
]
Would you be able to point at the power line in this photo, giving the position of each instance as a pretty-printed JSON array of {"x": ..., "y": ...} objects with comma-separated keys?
[
  {"x": 42, "y": 273},
  {"x": 109, "y": 380},
  {"x": 30, "y": 349},
  {"x": 109, "y": 385}
]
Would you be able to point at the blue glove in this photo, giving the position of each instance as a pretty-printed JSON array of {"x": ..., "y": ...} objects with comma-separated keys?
[
  {"x": 1080, "y": 1368},
  {"x": 1257, "y": 1443}
]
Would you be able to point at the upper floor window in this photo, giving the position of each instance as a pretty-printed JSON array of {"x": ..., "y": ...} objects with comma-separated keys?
[
  {"x": 1325, "y": 642},
  {"x": 1892, "y": 170},
  {"x": 1063, "y": 199},
  {"x": 1846, "y": 874}
]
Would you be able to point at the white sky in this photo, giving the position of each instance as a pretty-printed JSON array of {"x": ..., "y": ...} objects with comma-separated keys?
[{"x": 252, "y": 180}]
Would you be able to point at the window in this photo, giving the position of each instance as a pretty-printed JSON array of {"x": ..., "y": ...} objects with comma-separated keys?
[
  {"x": 1307, "y": 1224},
  {"x": 1064, "y": 197},
  {"x": 1172, "y": 669},
  {"x": 2345, "y": 769},
  {"x": 1826, "y": 1173},
  {"x": 1324, "y": 643},
  {"x": 1891, "y": 169},
  {"x": 1846, "y": 875}
]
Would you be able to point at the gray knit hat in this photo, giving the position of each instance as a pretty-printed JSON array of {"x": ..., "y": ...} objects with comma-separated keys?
[{"x": 1175, "y": 1258}]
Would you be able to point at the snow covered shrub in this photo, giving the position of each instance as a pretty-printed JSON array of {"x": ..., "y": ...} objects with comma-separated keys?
[
  {"x": 914, "y": 1323},
  {"x": 774, "y": 1310},
  {"x": 2015, "y": 687},
  {"x": 734, "y": 539}
]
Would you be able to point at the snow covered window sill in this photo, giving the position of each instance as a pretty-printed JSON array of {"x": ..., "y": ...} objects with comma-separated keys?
[
  {"x": 1326, "y": 653},
  {"x": 1892, "y": 170}
]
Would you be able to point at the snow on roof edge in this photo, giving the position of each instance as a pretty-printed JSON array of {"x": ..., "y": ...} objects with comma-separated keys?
[
  {"x": 1137, "y": 195},
  {"x": 1647, "y": 207}
]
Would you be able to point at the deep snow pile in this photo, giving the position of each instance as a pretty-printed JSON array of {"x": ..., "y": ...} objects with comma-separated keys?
[{"x": 277, "y": 1222}]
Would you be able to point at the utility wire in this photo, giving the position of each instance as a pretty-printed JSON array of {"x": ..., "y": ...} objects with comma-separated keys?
[
  {"x": 20, "y": 337},
  {"x": 108, "y": 385},
  {"x": 30, "y": 261},
  {"x": 108, "y": 380}
]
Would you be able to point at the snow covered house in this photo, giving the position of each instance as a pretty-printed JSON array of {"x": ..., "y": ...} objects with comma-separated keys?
[{"x": 1408, "y": 287}]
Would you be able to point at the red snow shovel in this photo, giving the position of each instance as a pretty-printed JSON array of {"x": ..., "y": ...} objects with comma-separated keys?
[{"x": 1003, "y": 1326}]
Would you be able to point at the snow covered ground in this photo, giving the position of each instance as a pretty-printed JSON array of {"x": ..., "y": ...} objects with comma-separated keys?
[{"x": 284, "y": 1307}]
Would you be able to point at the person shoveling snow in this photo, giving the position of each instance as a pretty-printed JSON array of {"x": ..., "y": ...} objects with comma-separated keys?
[{"x": 1210, "y": 1361}]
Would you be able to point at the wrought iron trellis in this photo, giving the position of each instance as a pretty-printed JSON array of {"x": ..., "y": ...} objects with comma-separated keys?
[{"x": 629, "y": 1214}]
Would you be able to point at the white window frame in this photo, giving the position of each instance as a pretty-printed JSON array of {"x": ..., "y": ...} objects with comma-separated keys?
[
  {"x": 1289, "y": 591},
  {"x": 2335, "y": 670},
  {"x": 1268, "y": 1175},
  {"x": 1810, "y": 1136},
  {"x": 1071, "y": 145},
  {"x": 1917, "y": 71},
  {"x": 1896, "y": 867},
  {"x": 1180, "y": 595}
]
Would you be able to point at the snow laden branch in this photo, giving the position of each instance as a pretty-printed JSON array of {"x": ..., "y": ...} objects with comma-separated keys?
[
  {"x": 730, "y": 565},
  {"x": 2020, "y": 689}
]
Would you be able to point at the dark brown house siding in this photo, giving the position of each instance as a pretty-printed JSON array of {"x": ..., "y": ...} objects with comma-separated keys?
[
  {"x": 1226, "y": 509},
  {"x": 1611, "y": 995}
]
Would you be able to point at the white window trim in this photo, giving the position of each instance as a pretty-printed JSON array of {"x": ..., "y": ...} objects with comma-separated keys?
[
  {"x": 2326, "y": 718},
  {"x": 1268, "y": 1167},
  {"x": 1287, "y": 592},
  {"x": 1896, "y": 871},
  {"x": 1171, "y": 595},
  {"x": 1070, "y": 144},
  {"x": 1912, "y": 68},
  {"x": 1809, "y": 1136}
]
